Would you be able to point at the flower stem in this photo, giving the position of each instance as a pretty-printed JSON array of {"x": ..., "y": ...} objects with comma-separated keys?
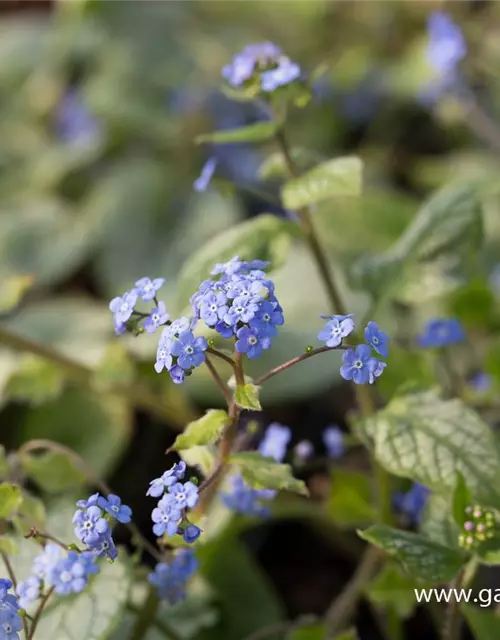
[
  {"x": 218, "y": 381},
  {"x": 137, "y": 395},
  {"x": 452, "y": 623},
  {"x": 38, "y": 613}
]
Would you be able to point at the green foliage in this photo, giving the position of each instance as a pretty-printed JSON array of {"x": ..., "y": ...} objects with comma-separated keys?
[
  {"x": 201, "y": 457},
  {"x": 10, "y": 499},
  {"x": 430, "y": 440},
  {"x": 312, "y": 632},
  {"x": 391, "y": 589},
  {"x": 247, "y": 397},
  {"x": 461, "y": 500},
  {"x": 421, "y": 557},
  {"x": 265, "y": 237},
  {"x": 437, "y": 521},
  {"x": 4, "y": 464},
  {"x": 258, "y": 132},
  {"x": 8, "y": 546},
  {"x": 205, "y": 430},
  {"x": 248, "y": 601},
  {"x": 12, "y": 290},
  {"x": 31, "y": 513},
  {"x": 330, "y": 179},
  {"x": 36, "y": 381},
  {"x": 260, "y": 472},
  {"x": 114, "y": 368},
  {"x": 275, "y": 166},
  {"x": 53, "y": 471},
  {"x": 484, "y": 623},
  {"x": 350, "y": 499}
]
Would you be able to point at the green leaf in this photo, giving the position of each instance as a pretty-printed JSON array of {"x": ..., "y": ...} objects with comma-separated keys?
[
  {"x": 437, "y": 521},
  {"x": 350, "y": 499},
  {"x": 421, "y": 557},
  {"x": 30, "y": 514},
  {"x": 348, "y": 635},
  {"x": 248, "y": 601},
  {"x": 205, "y": 430},
  {"x": 265, "y": 237},
  {"x": 275, "y": 166},
  {"x": 10, "y": 499},
  {"x": 333, "y": 178},
  {"x": 378, "y": 275},
  {"x": 391, "y": 589},
  {"x": 8, "y": 546},
  {"x": 12, "y": 290},
  {"x": 247, "y": 397},
  {"x": 201, "y": 457},
  {"x": 93, "y": 614},
  {"x": 311, "y": 631},
  {"x": 4, "y": 465},
  {"x": 429, "y": 440},
  {"x": 53, "y": 471},
  {"x": 484, "y": 623},
  {"x": 461, "y": 500},
  {"x": 449, "y": 220},
  {"x": 261, "y": 472},
  {"x": 115, "y": 367},
  {"x": 258, "y": 132},
  {"x": 35, "y": 381}
]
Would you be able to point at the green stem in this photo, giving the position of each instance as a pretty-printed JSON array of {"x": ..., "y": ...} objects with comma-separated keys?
[
  {"x": 139, "y": 396},
  {"x": 452, "y": 623},
  {"x": 218, "y": 381},
  {"x": 38, "y": 613},
  {"x": 146, "y": 618}
]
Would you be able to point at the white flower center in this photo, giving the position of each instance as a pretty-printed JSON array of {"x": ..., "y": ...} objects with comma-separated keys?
[
  {"x": 358, "y": 364},
  {"x": 266, "y": 317},
  {"x": 375, "y": 340},
  {"x": 7, "y": 628},
  {"x": 65, "y": 576},
  {"x": 252, "y": 340},
  {"x": 180, "y": 497},
  {"x": 189, "y": 349}
]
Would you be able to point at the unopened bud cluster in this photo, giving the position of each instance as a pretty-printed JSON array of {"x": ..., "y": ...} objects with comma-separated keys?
[{"x": 477, "y": 528}]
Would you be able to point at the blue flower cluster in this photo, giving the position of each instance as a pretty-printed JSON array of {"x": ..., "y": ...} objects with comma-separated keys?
[
  {"x": 244, "y": 499},
  {"x": 240, "y": 303},
  {"x": 359, "y": 364},
  {"x": 170, "y": 579},
  {"x": 263, "y": 62},
  {"x": 440, "y": 333},
  {"x": 126, "y": 318},
  {"x": 91, "y": 522},
  {"x": 275, "y": 441},
  {"x": 179, "y": 350},
  {"x": 10, "y": 621},
  {"x": 169, "y": 516}
]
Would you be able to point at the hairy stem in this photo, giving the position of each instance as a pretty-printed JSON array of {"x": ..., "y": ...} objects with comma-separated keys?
[
  {"x": 222, "y": 356},
  {"x": 38, "y": 613},
  {"x": 139, "y": 396},
  {"x": 218, "y": 381}
]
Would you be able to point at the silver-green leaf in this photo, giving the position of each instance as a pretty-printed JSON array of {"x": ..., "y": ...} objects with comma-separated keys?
[
  {"x": 261, "y": 472},
  {"x": 205, "y": 430}
]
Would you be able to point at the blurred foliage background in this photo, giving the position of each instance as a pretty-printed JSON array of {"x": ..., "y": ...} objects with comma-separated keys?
[{"x": 100, "y": 103}]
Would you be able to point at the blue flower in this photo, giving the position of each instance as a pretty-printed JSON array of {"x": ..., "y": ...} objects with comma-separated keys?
[
  {"x": 158, "y": 486},
  {"x": 156, "y": 318},
  {"x": 191, "y": 533},
  {"x": 184, "y": 495},
  {"x": 113, "y": 505},
  {"x": 285, "y": 73},
  {"x": 303, "y": 450},
  {"x": 89, "y": 525},
  {"x": 267, "y": 319},
  {"x": 164, "y": 358},
  {"x": 177, "y": 374},
  {"x": 265, "y": 60},
  {"x": 74, "y": 123},
  {"x": 446, "y": 45},
  {"x": 441, "y": 333},
  {"x": 189, "y": 350},
  {"x": 122, "y": 307},
  {"x": 250, "y": 342},
  {"x": 147, "y": 288},
  {"x": 166, "y": 517},
  {"x": 105, "y": 547},
  {"x": 92, "y": 501},
  {"x": 177, "y": 327},
  {"x": 213, "y": 307},
  {"x": 170, "y": 579},
  {"x": 413, "y": 502},
  {"x": 243, "y": 499},
  {"x": 10, "y": 624},
  {"x": 227, "y": 268},
  {"x": 375, "y": 369},
  {"x": 275, "y": 441},
  {"x": 376, "y": 338},
  {"x": 243, "y": 310},
  {"x": 28, "y": 591},
  {"x": 333, "y": 437},
  {"x": 356, "y": 364},
  {"x": 481, "y": 382},
  {"x": 224, "y": 330},
  {"x": 43, "y": 564},
  {"x": 242, "y": 66},
  {"x": 207, "y": 172},
  {"x": 71, "y": 574},
  {"x": 337, "y": 328},
  {"x": 8, "y": 601}
]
